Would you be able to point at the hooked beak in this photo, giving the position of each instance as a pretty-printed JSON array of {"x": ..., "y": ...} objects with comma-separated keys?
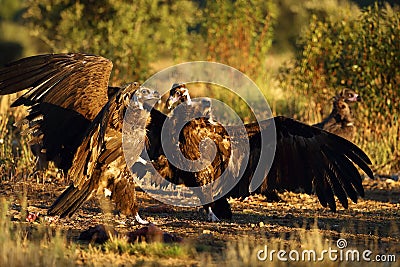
[
  {"x": 355, "y": 98},
  {"x": 171, "y": 101},
  {"x": 154, "y": 95},
  {"x": 153, "y": 98}
]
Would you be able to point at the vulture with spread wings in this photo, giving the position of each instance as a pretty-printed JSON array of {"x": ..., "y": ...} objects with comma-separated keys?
[
  {"x": 306, "y": 157},
  {"x": 75, "y": 120},
  {"x": 340, "y": 122}
]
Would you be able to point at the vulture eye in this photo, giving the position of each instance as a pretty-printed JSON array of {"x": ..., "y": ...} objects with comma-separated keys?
[{"x": 145, "y": 91}]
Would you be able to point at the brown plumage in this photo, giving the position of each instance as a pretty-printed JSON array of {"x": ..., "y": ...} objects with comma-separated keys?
[
  {"x": 99, "y": 164},
  {"x": 305, "y": 157},
  {"x": 65, "y": 93},
  {"x": 341, "y": 121},
  {"x": 77, "y": 120}
]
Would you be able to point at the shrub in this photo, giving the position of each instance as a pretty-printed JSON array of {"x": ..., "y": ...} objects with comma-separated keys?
[
  {"x": 131, "y": 34},
  {"x": 361, "y": 53}
]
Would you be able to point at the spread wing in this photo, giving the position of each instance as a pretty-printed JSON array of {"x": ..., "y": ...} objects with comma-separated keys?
[
  {"x": 78, "y": 82},
  {"x": 65, "y": 92},
  {"x": 316, "y": 161},
  {"x": 305, "y": 158}
]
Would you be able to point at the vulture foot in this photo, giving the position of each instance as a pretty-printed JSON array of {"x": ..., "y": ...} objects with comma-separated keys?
[
  {"x": 140, "y": 220},
  {"x": 211, "y": 216}
]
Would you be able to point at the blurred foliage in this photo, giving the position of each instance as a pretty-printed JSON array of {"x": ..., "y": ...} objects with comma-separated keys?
[
  {"x": 362, "y": 54},
  {"x": 131, "y": 34},
  {"x": 15, "y": 41},
  {"x": 9, "y": 9},
  {"x": 239, "y": 33},
  {"x": 335, "y": 43},
  {"x": 294, "y": 16},
  {"x": 16, "y": 161}
]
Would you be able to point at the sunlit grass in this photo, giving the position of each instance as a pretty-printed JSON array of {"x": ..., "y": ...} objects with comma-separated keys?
[
  {"x": 25, "y": 244},
  {"x": 121, "y": 246},
  {"x": 15, "y": 156},
  {"x": 18, "y": 248},
  {"x": 40, "y": 244}
]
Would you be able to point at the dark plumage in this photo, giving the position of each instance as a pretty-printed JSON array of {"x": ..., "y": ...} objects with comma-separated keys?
[
  {"x": 341, "y": 121},
  {"x": 199, "y": 107},
  {"x": 77, "y": 121},
  {"x": 99, "y": 163},
  {"x": 305, "y": 157},
  {"x": 66, "y": 92}
]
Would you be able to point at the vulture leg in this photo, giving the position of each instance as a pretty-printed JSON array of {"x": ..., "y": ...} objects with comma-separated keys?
[
  {"x": 219, "y": 209},
  {"x": 140, "y": 220},
  {"x": 211, "y": 216}
]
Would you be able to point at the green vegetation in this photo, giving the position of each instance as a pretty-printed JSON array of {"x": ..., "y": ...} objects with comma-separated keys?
[
  {"x": 131, "y": 34},
  {"x": 246, "y": 36},
  {"x": 326, "y": 45},
  {"x": 360, "y": 52},
  {"x": 120, "y": 246}
]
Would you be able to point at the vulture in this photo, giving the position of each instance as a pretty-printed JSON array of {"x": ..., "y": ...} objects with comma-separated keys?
[
  {"x": 306, "y": 157},
  {"x": 201, "y": 107},
  {"x": 341, "y": 121},
  {"x": 75, "y": 120}
]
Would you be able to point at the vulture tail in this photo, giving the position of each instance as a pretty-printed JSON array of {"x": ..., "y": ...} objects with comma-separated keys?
[{"x": 70, "y": 200}]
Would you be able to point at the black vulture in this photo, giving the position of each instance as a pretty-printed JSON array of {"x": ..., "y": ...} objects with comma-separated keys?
[
  {"x": 305, "y": 157},
  {"x": 76, "y": 119},
  {"x": 341, "y": 121},
  {"x": 179, "y": 93}
]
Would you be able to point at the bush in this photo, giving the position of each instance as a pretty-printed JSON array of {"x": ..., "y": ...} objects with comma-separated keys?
[
  {"x": 131, "y": 34},
  {"x": 239, "y": 33},
  {"x": 361, "y": 53}
]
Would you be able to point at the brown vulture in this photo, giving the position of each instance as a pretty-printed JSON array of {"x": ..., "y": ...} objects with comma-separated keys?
[
  {"x": 306, "y": 157},
  {"x": 341, "y": 121},
  {"x": 76, "y": 120}
]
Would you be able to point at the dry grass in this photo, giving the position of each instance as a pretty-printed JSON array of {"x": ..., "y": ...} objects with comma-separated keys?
[
  {"x": 41, "y": 244},
  {"x": 26, "y": 244}
]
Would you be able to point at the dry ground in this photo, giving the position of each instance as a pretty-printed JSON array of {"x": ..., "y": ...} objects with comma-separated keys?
[{"x": 374, "y": 221}]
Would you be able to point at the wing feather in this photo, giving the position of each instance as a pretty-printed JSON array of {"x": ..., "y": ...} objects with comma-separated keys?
[{"x": 74, "y": 81}]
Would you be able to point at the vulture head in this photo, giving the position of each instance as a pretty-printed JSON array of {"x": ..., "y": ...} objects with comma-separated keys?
[
  {"x": 198, "y": 107},
  {"x": 348, "y": 95},
  {"x": 179, "y": 93},
  {"x": 134, "y": 95}
]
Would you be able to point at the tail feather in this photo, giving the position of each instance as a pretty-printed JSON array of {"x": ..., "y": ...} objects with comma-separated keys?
[{"x": 70, "y": 200}]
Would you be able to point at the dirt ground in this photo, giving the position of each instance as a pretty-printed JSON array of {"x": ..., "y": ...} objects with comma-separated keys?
[{"x": 374, "y": 219}]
